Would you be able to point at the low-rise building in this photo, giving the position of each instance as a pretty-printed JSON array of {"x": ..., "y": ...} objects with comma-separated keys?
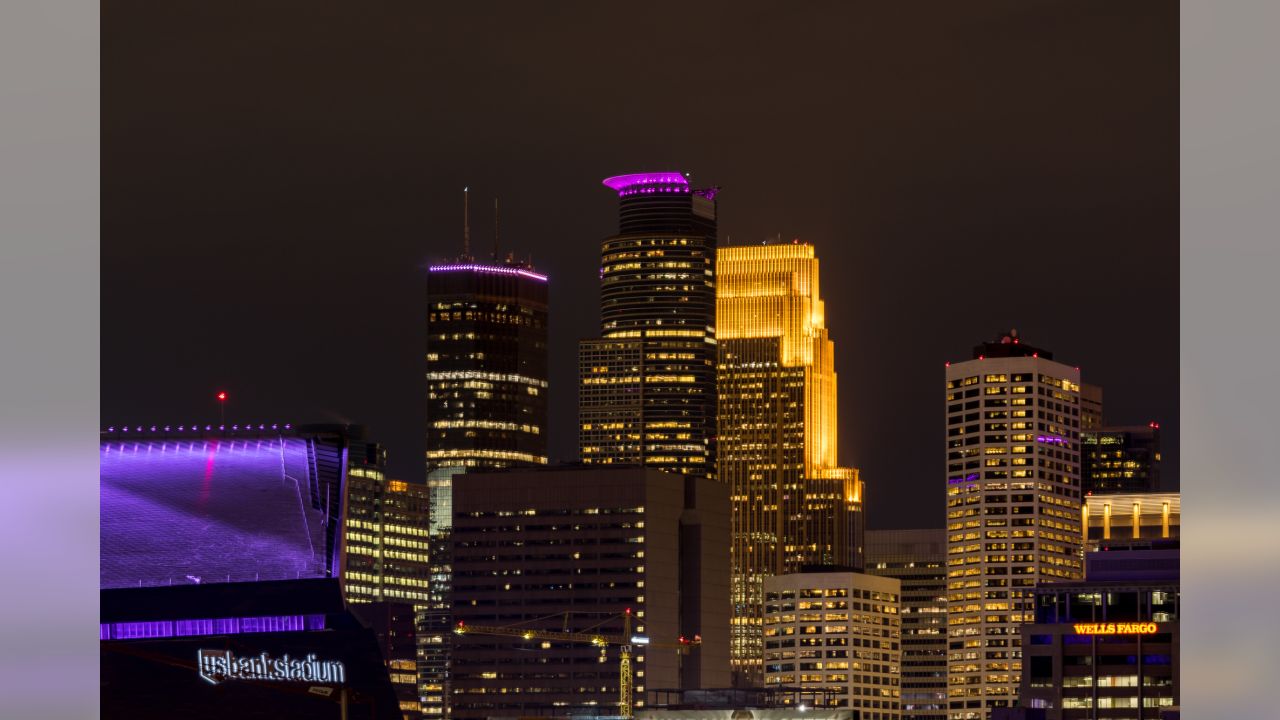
[
  {"x": 567, "y": 552},
  {"x": 918, "y": 558},
  {"x": 1107, "y": 647},
  {"x": 838, "y": 632}
]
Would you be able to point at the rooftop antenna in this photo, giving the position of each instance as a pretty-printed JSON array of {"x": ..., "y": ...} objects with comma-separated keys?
[
  {"x": 466, "y": 222},
  {"x": 495, "y": 229}
]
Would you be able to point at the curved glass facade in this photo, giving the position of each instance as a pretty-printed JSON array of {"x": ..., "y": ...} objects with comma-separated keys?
[{"x": 647, "y": 391}]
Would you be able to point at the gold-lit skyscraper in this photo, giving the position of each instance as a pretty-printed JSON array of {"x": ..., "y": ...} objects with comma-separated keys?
[{"x": 793, "y": 505}]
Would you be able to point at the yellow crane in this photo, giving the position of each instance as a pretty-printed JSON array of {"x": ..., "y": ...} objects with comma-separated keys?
[{"x": 623, "y": 642}]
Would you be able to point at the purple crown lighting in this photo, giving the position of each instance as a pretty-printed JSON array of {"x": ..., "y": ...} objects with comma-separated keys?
[
  {"x": 651, "y": 182},
  {"x": 489, "y": 269}
]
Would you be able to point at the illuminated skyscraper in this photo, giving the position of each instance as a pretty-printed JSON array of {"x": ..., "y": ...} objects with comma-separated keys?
[
  {"x": 1013, "y": 510},
  {"x": 647, "y": 392},
  {"x": 486, "y": 366},
  {"x": 486, "y": 410},
  {"x": 793, "y": 504}
]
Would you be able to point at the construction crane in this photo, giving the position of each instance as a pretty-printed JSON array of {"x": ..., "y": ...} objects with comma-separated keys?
[{"x": 623, "y": 642}]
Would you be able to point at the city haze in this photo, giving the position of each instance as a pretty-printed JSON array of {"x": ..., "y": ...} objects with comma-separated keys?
[{"x": 276, "y": 179}]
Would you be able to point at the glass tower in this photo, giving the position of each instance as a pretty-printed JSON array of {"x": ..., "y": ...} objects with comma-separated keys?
[
  {"x": 794, "y": 506},
  {"x": 486, "y": 409},
  {"x": 647, "y": 392},
  {"x": 486, "y": 366}
]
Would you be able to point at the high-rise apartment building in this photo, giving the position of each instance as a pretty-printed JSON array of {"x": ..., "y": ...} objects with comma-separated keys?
[
  {"x": 1121, "y": 459},
  {"x": 540, "y": 553},
  {"x": 1013, "y": 510},
  {"x": 647, "y": 389},
  {"x": 838, "y": 632},
  {"x": 918, "y": 559},
  {"x": 793, "y": 504}
]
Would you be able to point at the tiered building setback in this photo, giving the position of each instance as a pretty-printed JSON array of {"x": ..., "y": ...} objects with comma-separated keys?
[{"x": 793, "y": 505}]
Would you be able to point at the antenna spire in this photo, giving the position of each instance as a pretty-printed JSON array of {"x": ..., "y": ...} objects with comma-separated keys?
[{"x": 466, "y": 222}]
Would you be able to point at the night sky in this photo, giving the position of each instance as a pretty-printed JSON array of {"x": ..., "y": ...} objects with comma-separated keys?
[{"x": 276, "y": 176}]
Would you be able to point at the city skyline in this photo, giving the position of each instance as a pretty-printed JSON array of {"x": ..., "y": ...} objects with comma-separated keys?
[{"x": 923, "y": 199}]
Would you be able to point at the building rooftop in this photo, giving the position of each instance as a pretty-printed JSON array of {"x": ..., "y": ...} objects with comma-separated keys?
[
  {"x": 1009, "y": 345},
  {"x": 215, "y": 507}
]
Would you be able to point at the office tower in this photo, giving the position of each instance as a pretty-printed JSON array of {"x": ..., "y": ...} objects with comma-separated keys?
[
  {"x": 385, "y": 547},
  {"x": 1090, "y": 407},
  {"x": 555, "y": 550},
  {"x": 1013, "y": 509},
  {"x": 486, "y": 407},
  {"x": 1108, "y": 646},
  {"x": 837, "y": 631},
  {"x": 1131, "y": 518},
  {"x": 793, "y": 504},
  {"x": 1121, "y": 459},
  {"x": 486, "y": 366},
  {"x": 918, "y": 559},
  {"x": 387, "y": 561},
  {"x": 647, "y": 387}
]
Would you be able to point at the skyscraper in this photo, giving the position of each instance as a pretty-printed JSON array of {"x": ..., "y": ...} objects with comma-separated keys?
[
  {"x": 1121, "y": 459},
  {"x": 486, "y": 408},
  {"x": 486, "y": 365},
  {"x": 647, "y": 392},
  {"x": 1013, "y": 510},
  {"x": 793, "y": 505}
]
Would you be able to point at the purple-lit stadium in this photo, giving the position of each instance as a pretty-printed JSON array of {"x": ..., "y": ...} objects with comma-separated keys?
[
  {"x": 220, "y": 576},
  {"x": 233, "y": 506}
]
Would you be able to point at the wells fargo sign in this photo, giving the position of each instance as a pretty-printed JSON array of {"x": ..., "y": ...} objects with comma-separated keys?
[{"x": 1123, "y": 628}]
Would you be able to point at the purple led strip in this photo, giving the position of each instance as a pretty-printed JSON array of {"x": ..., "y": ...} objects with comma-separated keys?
[
  {"x": 488, "y": 269},
  {"x": 212, "y": 626},
  {"x": 1051, "y": 439},
  {"x": 967, "y": 478},
  {"x": 197, "y": 428}
]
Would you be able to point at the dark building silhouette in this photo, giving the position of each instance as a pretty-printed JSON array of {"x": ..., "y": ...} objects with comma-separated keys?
[
  {"x": 1121, "y": 459},
  {"x": 572, "y": 549}
]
